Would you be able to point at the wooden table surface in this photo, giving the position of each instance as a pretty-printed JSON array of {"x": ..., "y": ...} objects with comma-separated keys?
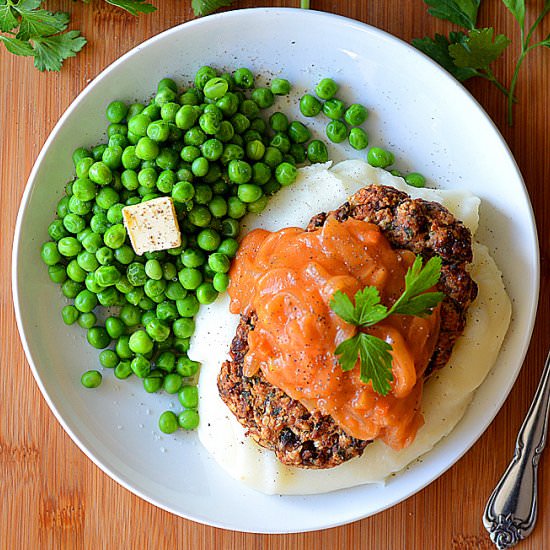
[{"x": 53, "y": 496}]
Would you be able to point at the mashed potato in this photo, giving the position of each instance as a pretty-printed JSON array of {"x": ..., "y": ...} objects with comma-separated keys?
[{"x": 446, "y": 395}]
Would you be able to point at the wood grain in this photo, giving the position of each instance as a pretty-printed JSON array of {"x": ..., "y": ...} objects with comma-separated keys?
[{"x": 54, "y": 497}]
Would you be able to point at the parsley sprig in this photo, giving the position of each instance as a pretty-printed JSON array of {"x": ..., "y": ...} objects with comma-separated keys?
[
  {"x": 471, "y": 53},
  {"x": 30, "y": 31},
  {"x": 204, "y": 7},
  {"x": 373, "y": 352}
]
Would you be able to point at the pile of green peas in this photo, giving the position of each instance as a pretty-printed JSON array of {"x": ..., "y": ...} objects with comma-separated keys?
[
  {"x": 210, "y": 149},
  {"x": 345, "y": 124}
]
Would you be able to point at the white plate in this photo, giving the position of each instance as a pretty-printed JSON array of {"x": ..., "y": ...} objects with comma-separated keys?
[{"x": 417, "y": 110}]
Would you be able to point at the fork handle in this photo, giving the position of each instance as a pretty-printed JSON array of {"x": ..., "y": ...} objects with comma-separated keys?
[{"x": 511, "y": 510}]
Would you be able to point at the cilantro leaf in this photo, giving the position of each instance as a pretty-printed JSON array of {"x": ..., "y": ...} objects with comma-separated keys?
[
  {"x": 8, "y": 21},
  {"x": 204, "y": 7},
  {"x": 374, "y": 353},
  {"x": 479, "y": 50},
  {"x": 51, "y": 51},
  {"x": 41, "y": 23},
  {"x": 460, "y": 12},
  {"x": 16, "y": 46},
  {"x": 135, "y": 7},
  {"x": 438, "y": 50},
  {"x": 517, "y": 9}
]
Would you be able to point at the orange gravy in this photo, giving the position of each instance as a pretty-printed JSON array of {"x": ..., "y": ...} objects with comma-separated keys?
[{"x": 288, "y": 278}]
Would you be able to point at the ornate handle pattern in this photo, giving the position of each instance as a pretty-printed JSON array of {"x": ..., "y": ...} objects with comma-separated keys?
[{"x": 511, "y": 510}]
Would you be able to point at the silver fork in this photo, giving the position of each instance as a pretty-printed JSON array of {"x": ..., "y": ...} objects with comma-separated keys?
[{"x": 511, "y": 510}]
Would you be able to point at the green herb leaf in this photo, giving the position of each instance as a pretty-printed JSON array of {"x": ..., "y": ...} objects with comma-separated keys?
[
  {"x": 367, "y": 309},
  {"x": 438, "y": 50},
  {"x": 204, "y": 7},
  {"x": 16, "y": 46},
  {"x": 41, "y": 23},
  {"x": 376, "y": 363},
  {"x": 8, "y": 20},
  {"x": 517, "y": 8},
  {"x": 374, "y": 353},
  {"x": 51, "y": 51},
  {"x": 135, "y": 7},
  {"x": 479, "y": 50},
  {"x": 460, "y": 12}
]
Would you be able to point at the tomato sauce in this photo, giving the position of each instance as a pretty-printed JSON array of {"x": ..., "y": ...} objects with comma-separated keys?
[{"x": 288, "y": 278}]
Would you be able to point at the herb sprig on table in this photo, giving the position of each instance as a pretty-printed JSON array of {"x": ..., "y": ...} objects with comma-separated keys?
[
  {"x": 28, "y": 30},
  {"x": 373, "y": 352},
  {"x": 471, "y": 53}
]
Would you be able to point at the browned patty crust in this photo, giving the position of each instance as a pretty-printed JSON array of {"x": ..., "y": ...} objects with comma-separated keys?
[{"x": 313, "y": 440}]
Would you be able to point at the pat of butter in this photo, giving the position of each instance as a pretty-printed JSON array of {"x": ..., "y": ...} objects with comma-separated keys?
[{"x": 152, "y": 225}]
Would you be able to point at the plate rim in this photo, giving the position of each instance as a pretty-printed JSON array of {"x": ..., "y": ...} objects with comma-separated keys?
[{"x": 31, "y": 182}]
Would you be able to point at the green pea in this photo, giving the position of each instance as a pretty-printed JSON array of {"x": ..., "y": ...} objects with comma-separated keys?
[
  {"x": 310, "y": 106},
  {"x": 104, "y": 255},
  {"x": 123, "y": 285},
  {"x": 164, "y": 95},
  {"x": 50, "y": 254},
  {"x": 69, "y": 314},
  {"x": 109, "y": 297},
  {"x": 186, "y": 367},
  {"x": 263, "y": 97},
  {"x": 248, "y": 192},
  {"x": 334, "y": 109},
  {"x": 188, "y": 306},
  {"x": 167, "y": 311},
  {"x": 56, "y": 230},
  {"x": 115, "y": 327},
  {"x": 379, "y": 158},
  {"x": 119, "y": 140},
  {"x": 98, "y": 337},
  {"x": 124, "y": 254},
  {"x": 199, "y": 167},
  {"x": 356, "y": 114},
  {"x": 190, "y": 278},
  {"x": 168, "y": 422},
  {"x": 147, "y": 149},
  {"x": 157, "y": 329},
  {"x": 79, "y": 154},
  {"x": 71, "y": 288},
  {"x": 108, "y": 359},
  {"x": 206, "y": 293},
  {"x": 107, "y": 275},
  {"x": 358, "y": 138},
  {"x": 200, "y": 216},
  {"x": 220, "y": 282},
  {"x": 183, "y": 327},
  {"x": 273, "y": 157},
  {"x": 85, "y": 301},
  {"x": 67, "y": 246},
  {"x": 99, "y": 223},
  {"x": 57, "y": 273},
  {"x": 141, "y": 366},
  {"x": 219, "y": 262},
  {"x": 298, "y": 132},
  {"x": 63, "y": 207},
  {"x": 87, "y": 320},
  {"x": 208, "y": 239},
  {"x": 87, "y": 261},
  {"x": 123, "y": 370},
  {"x": 140, "y": 342},
  {"x": 153, "y": 382},
  {"x": 84, "y": 189},
  {"x": 130, "y": 315},
  {"x": 188, "y": 419},
  {"x": 188, "y": 396},
  {"x": 326, "y": 89},
  {"x": 281, "y": 142},
  {"x": 212, "y": 149},
  {"x": 183, "y": 191},
  {"x": 153, "y": 269},
  {"x": 415, "y": 179},
  {"x": 115, "y": 236},
  {"x": 215, "y": 88},
  {"x": 336, "y": 131},
  {"x": 166, "y": 361},
  {"x": 239, "y": 171},
  {"x": 91, "y": 379},
  {"x": 116, "y": 111},
  {"x": 280, "y": 86},
  {"x": 317, "y": 151},
  {"x": 112, "y": 157},
  {"x": 243, "y": 78},
  {"x": 218, "y": 206},
  {"x": 172, "y": 383},
  {"x": 79, "y": 207},
  {"x": 100, "y": 173},
  {"x": 285, "y": 174},
  {"x": 75, "y": 272}
]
